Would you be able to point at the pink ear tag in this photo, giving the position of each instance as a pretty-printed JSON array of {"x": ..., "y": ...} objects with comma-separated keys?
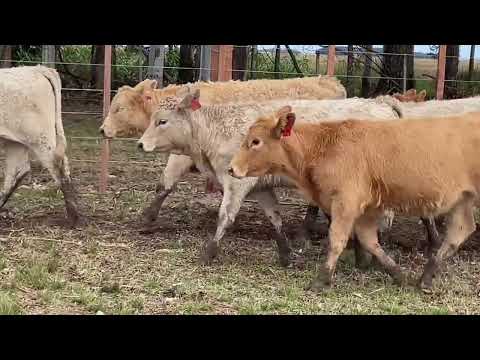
[{"x": 196, "y": 104}]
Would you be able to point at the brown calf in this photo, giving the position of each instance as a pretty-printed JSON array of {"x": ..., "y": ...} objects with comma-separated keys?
[
  {"x": 355, "y": 169},
  {"x": 411, "y": 96}
]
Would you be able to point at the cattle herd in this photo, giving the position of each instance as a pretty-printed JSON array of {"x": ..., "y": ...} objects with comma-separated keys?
[{"x": 358, "y": 160}]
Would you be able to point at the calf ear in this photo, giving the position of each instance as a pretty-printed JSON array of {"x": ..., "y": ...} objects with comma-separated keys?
[
  {"x": 284, "y": 111},
  {"x": 147, "y": 97},
  {"x": 190, "y": 101},
  {"x": 421, "y": 95},
  {"x": 284, "y": 125},
  {"x": 146, "y": 84}
]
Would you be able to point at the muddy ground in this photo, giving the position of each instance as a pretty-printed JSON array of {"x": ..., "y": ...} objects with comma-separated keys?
[{"x": 108, "y": 266}]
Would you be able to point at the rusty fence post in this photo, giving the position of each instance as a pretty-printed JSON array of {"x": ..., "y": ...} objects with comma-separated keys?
[
  {"x": 107, "y": 84},
  {"x": 331, "y": 60},
  {"x": 442, "y": 54},
  {"x": 225, "y": 62}
]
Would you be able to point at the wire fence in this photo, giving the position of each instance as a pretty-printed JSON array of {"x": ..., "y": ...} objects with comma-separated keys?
[{"x": 363, "y": 70}]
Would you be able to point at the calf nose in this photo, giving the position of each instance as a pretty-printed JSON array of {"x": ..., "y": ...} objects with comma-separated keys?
[
  {"x": 230, "y": 171},
  {"x": 140, "y": 146},
  {"x": 102, "y": 131}
]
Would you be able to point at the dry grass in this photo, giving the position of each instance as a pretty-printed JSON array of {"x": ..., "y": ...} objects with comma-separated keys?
[{"x": 109, "y": 267}]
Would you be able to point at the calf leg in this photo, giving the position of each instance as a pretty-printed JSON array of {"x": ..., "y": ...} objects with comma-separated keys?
[
  {"x": 343, "y": 219},
  {"x": 366, "y": 229},
  {"x": 460, "y": 226},
  {"x": 177, "y": 167},
  {"x": 433, "y": 237},
  {"x": 362, "y": 257},
  {"x": 57, "y": 165},
  {"x": 234, "y": 192},
  {"x": 268, "y": 201},
  {"x": 17, "y": 166},
  {"x": 304, "y": 234}
]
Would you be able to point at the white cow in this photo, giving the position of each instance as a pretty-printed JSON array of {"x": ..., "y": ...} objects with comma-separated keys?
[{"x": 31, "y": 122}]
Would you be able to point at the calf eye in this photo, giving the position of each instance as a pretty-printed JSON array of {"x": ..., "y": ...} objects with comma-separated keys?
[
  {"x": 255, "y": 142},
  {"x": 161, "y": 122}
]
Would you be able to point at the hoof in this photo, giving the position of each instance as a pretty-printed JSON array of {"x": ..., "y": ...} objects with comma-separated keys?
[
  {"x": 316, "y": 286},
  {"x": 425, "y": 285},
  {"x": 148, "y": 218},
  {"x": 400, "y": 279},
  {"x": 76, "y": 221},
  {"x": 363, "y": 261},
  {"x": 320, "y": 283},
  {"x": 285, "y": 260},
  {"x": 209, "y": 254}
]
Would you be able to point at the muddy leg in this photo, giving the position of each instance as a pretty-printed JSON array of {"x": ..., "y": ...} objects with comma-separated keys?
[
  {"x": 366, "y": 229},
  {"x": 433, "y": 241},
  {"x": 268, "y": 201},
  {"x": 304, "y": 234},
  {"x": 234, "y": 193},
  {"x": 460, "y": 226},
  {"x": 57, "y": 165},
  {"x": 17, "y": 166},
  {"x": 177, "y": 167},
  {"x": 343, "y": 219}
]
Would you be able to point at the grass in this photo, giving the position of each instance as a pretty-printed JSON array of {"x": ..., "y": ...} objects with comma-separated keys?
[
  {"x": 9, "y": 304},
  {"x": 107, "y": 266}
]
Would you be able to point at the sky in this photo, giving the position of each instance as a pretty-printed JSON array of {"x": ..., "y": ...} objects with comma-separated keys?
[{"x": 464, "y": 49}]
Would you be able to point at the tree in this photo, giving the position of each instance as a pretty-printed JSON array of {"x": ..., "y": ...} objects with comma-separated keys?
[
  {"x": 186, "y": 73},
  {"x": 97, "y": 59},
  {"x": 471, "y": 64},
  {"x": 294, "y": 61},
  {"x": 239, "y": 62},
  {"x": 5, "y": 56},
  {"x": 276, "y": 66},
  {"x": 451, "y": 71},
  {"x": 350, "y": 86},
  {"x": 367, "y": 72},
  {"x": 392, "y": 69}
]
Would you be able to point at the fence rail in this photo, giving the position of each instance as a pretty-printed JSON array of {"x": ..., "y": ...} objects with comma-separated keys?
[{"x": 215, "y": 64}]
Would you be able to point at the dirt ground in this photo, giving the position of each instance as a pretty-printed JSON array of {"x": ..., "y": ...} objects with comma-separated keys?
[{"x": 109, "y": 267}]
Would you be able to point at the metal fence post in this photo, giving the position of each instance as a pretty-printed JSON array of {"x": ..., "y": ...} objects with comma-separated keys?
[
  {"x": 331, "y": 60},
  {"x": 442, "y": 54},
  {"x": 107, "y": 84},
  {"x": 404, "y": 73},
  {"x": 317, "y": 62},
  {"x": 205, "y": 62},
  {"x": 48, "y": 55}
]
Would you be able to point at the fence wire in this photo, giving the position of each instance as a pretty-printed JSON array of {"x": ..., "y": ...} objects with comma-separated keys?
[{"x": 310, "y": 60}]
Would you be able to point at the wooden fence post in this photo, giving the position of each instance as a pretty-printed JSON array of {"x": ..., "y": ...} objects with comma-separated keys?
[
  {"x": 221, "y": 62},
  {"x": 107, "y": 84},
  {"x": 442, "y": 53},
  {"x": 331, "y": 60}
]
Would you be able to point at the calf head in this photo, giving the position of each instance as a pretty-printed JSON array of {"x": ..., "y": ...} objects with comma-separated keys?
[
  {"x": 261, "y": 152},
  {"x": 411, "y": 96},
  {"x": 129, "y": 113},
  {"x": 171, "y": 130}
]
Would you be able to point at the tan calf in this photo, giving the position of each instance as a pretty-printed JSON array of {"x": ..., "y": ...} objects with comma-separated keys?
[
  {"x": 131, "y": 109},
  {"x": 355, "y": 169}
]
